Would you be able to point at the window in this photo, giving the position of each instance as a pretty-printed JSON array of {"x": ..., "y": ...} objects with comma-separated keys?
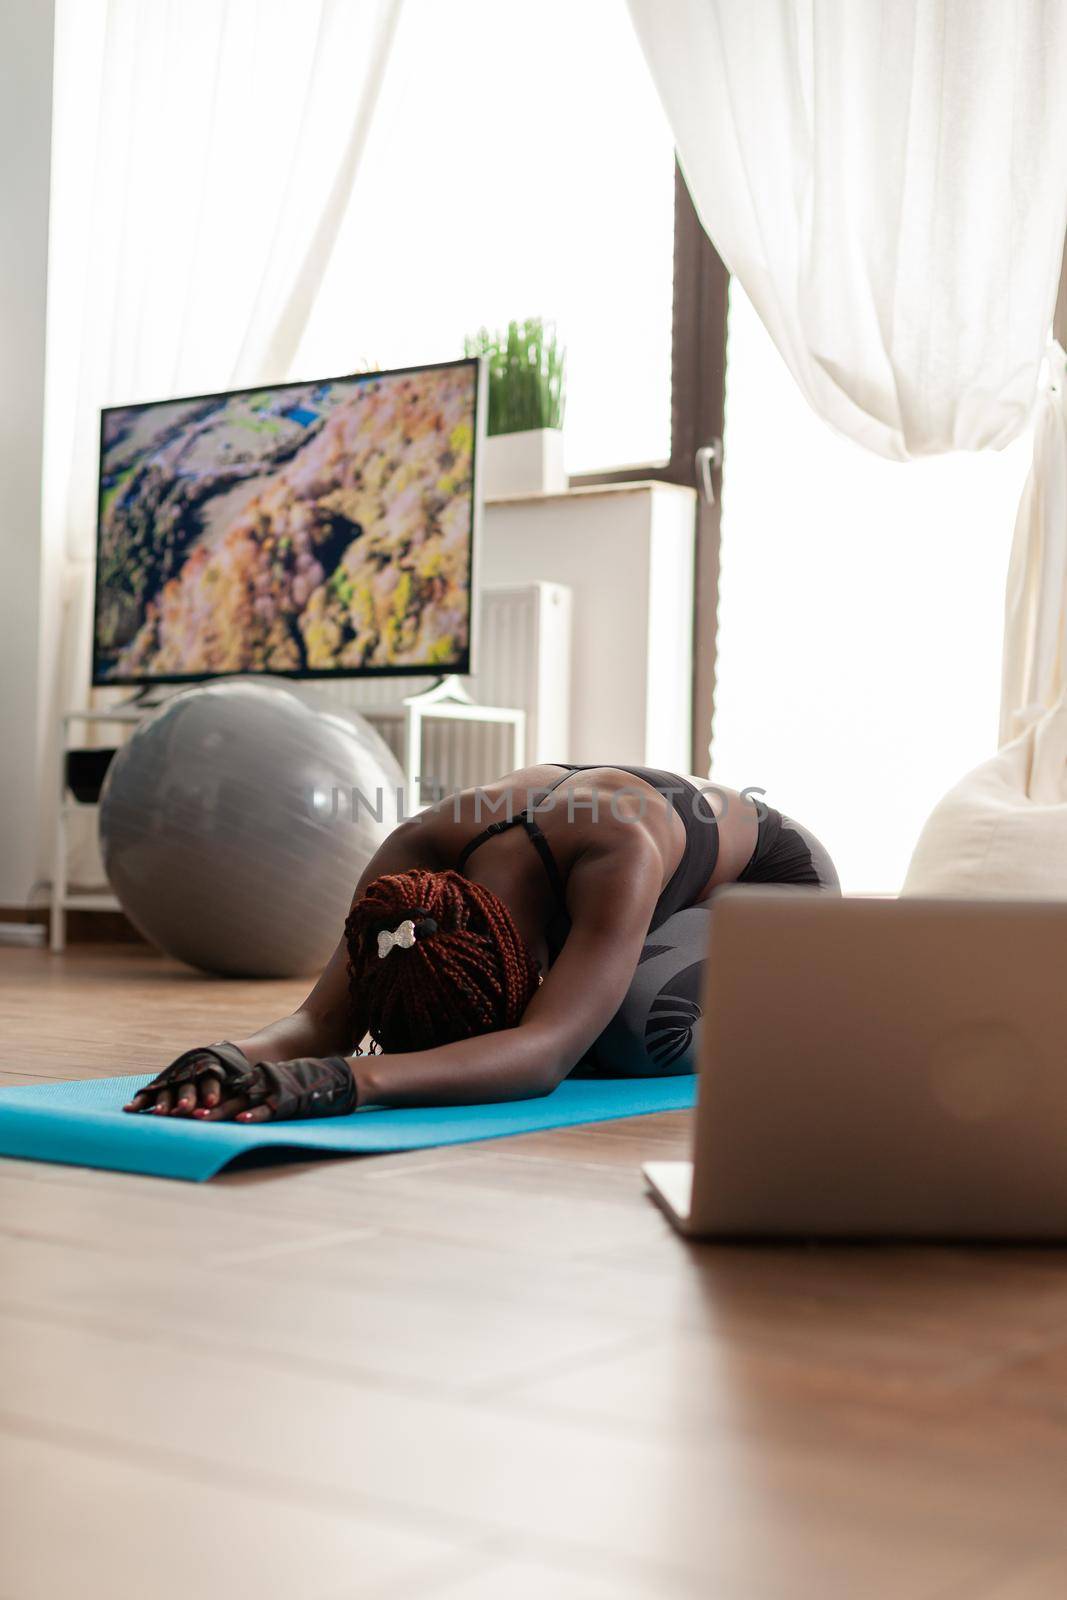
[
  {"x": 860, "y": 627},
  {"x": 526, "y": 170}
]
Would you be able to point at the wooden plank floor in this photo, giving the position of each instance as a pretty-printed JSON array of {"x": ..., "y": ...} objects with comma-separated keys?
[{"x": 486, "y": 1373}]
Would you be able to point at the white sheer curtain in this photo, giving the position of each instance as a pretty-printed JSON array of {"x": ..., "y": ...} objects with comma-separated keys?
[
  {"x": 203, "y": 155},
  {"x": 1035, "y": 609},
  {"x": 888, "y": 184},
  {"x": 1002, "y": 828}
]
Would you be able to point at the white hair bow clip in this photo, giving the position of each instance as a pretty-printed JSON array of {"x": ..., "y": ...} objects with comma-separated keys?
[{"x": 404, "y": 936}]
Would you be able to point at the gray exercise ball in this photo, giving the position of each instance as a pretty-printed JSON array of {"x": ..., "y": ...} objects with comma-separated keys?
[{"x": 236, "y": 821}]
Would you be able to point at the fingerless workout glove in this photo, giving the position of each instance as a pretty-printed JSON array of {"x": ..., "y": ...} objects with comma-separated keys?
[{"x": 311, "y": 1086}]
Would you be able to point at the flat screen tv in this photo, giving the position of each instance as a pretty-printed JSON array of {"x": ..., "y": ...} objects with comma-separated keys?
[{"x": 305, "y": 530}]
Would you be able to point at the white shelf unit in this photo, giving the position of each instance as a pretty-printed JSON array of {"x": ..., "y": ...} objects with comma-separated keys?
[{"x": 63, "y": 898}]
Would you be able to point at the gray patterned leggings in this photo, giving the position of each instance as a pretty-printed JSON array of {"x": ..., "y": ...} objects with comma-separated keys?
[{"x": 656, "y": 1030}]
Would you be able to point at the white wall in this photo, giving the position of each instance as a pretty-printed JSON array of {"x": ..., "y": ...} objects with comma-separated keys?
[{"x": 25, "y": 148}]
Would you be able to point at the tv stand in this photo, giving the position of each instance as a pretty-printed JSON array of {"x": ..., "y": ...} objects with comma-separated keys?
[
  {"x": 450, "y": 688},
  {"x": 447, "y": 700},
  {"x": 144, "y": 698}
]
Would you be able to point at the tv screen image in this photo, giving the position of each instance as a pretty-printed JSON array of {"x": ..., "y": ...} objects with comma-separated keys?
[{"x": 305, "y": 529}]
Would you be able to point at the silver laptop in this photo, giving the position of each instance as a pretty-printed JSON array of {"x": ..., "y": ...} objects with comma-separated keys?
[{"x": 878, "y": 1068}]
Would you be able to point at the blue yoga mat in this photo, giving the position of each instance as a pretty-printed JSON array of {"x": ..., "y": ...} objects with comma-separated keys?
[{"x": 83, "y": 1123}]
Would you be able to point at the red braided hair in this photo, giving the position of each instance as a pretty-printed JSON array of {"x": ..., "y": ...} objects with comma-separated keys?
[{"x": 471, "y": 974}]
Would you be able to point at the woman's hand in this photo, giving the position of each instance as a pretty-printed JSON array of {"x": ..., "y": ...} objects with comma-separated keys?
[
  {"x": 217, "y": 1083},
  {"x": 210, "y": 1081},
  {"x": 193, "y": 1086},
  {"x": 203, "y": 1098}
]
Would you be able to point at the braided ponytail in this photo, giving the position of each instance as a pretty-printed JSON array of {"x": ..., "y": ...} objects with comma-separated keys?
[{"x": 471, "y": 973}]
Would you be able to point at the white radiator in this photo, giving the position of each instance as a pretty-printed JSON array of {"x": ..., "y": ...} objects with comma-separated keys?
[{"x": 523, "y": 660}]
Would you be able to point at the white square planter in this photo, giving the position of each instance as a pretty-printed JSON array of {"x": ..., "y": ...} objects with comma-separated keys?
[{"x": 523, "y": 463}]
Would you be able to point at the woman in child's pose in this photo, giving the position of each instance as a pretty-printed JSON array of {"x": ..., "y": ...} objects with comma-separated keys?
[{"x": 555, "y": 921}]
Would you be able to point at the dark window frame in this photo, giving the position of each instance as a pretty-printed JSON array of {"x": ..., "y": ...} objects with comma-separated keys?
[{"x": 698, "y": 395}]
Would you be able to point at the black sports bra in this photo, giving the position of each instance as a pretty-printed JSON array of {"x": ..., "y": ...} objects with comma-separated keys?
[{"x": 698, "y": 860}]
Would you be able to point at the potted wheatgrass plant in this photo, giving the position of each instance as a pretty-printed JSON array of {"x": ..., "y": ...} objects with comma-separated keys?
[{"x": 525, "y": 368}]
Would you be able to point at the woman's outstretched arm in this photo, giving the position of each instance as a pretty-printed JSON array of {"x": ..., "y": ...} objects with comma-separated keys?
[
  {"x": 610, "y": 903},
  {"x": 322, "y": 1025},
  {"x": 610, "y": 912}
]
